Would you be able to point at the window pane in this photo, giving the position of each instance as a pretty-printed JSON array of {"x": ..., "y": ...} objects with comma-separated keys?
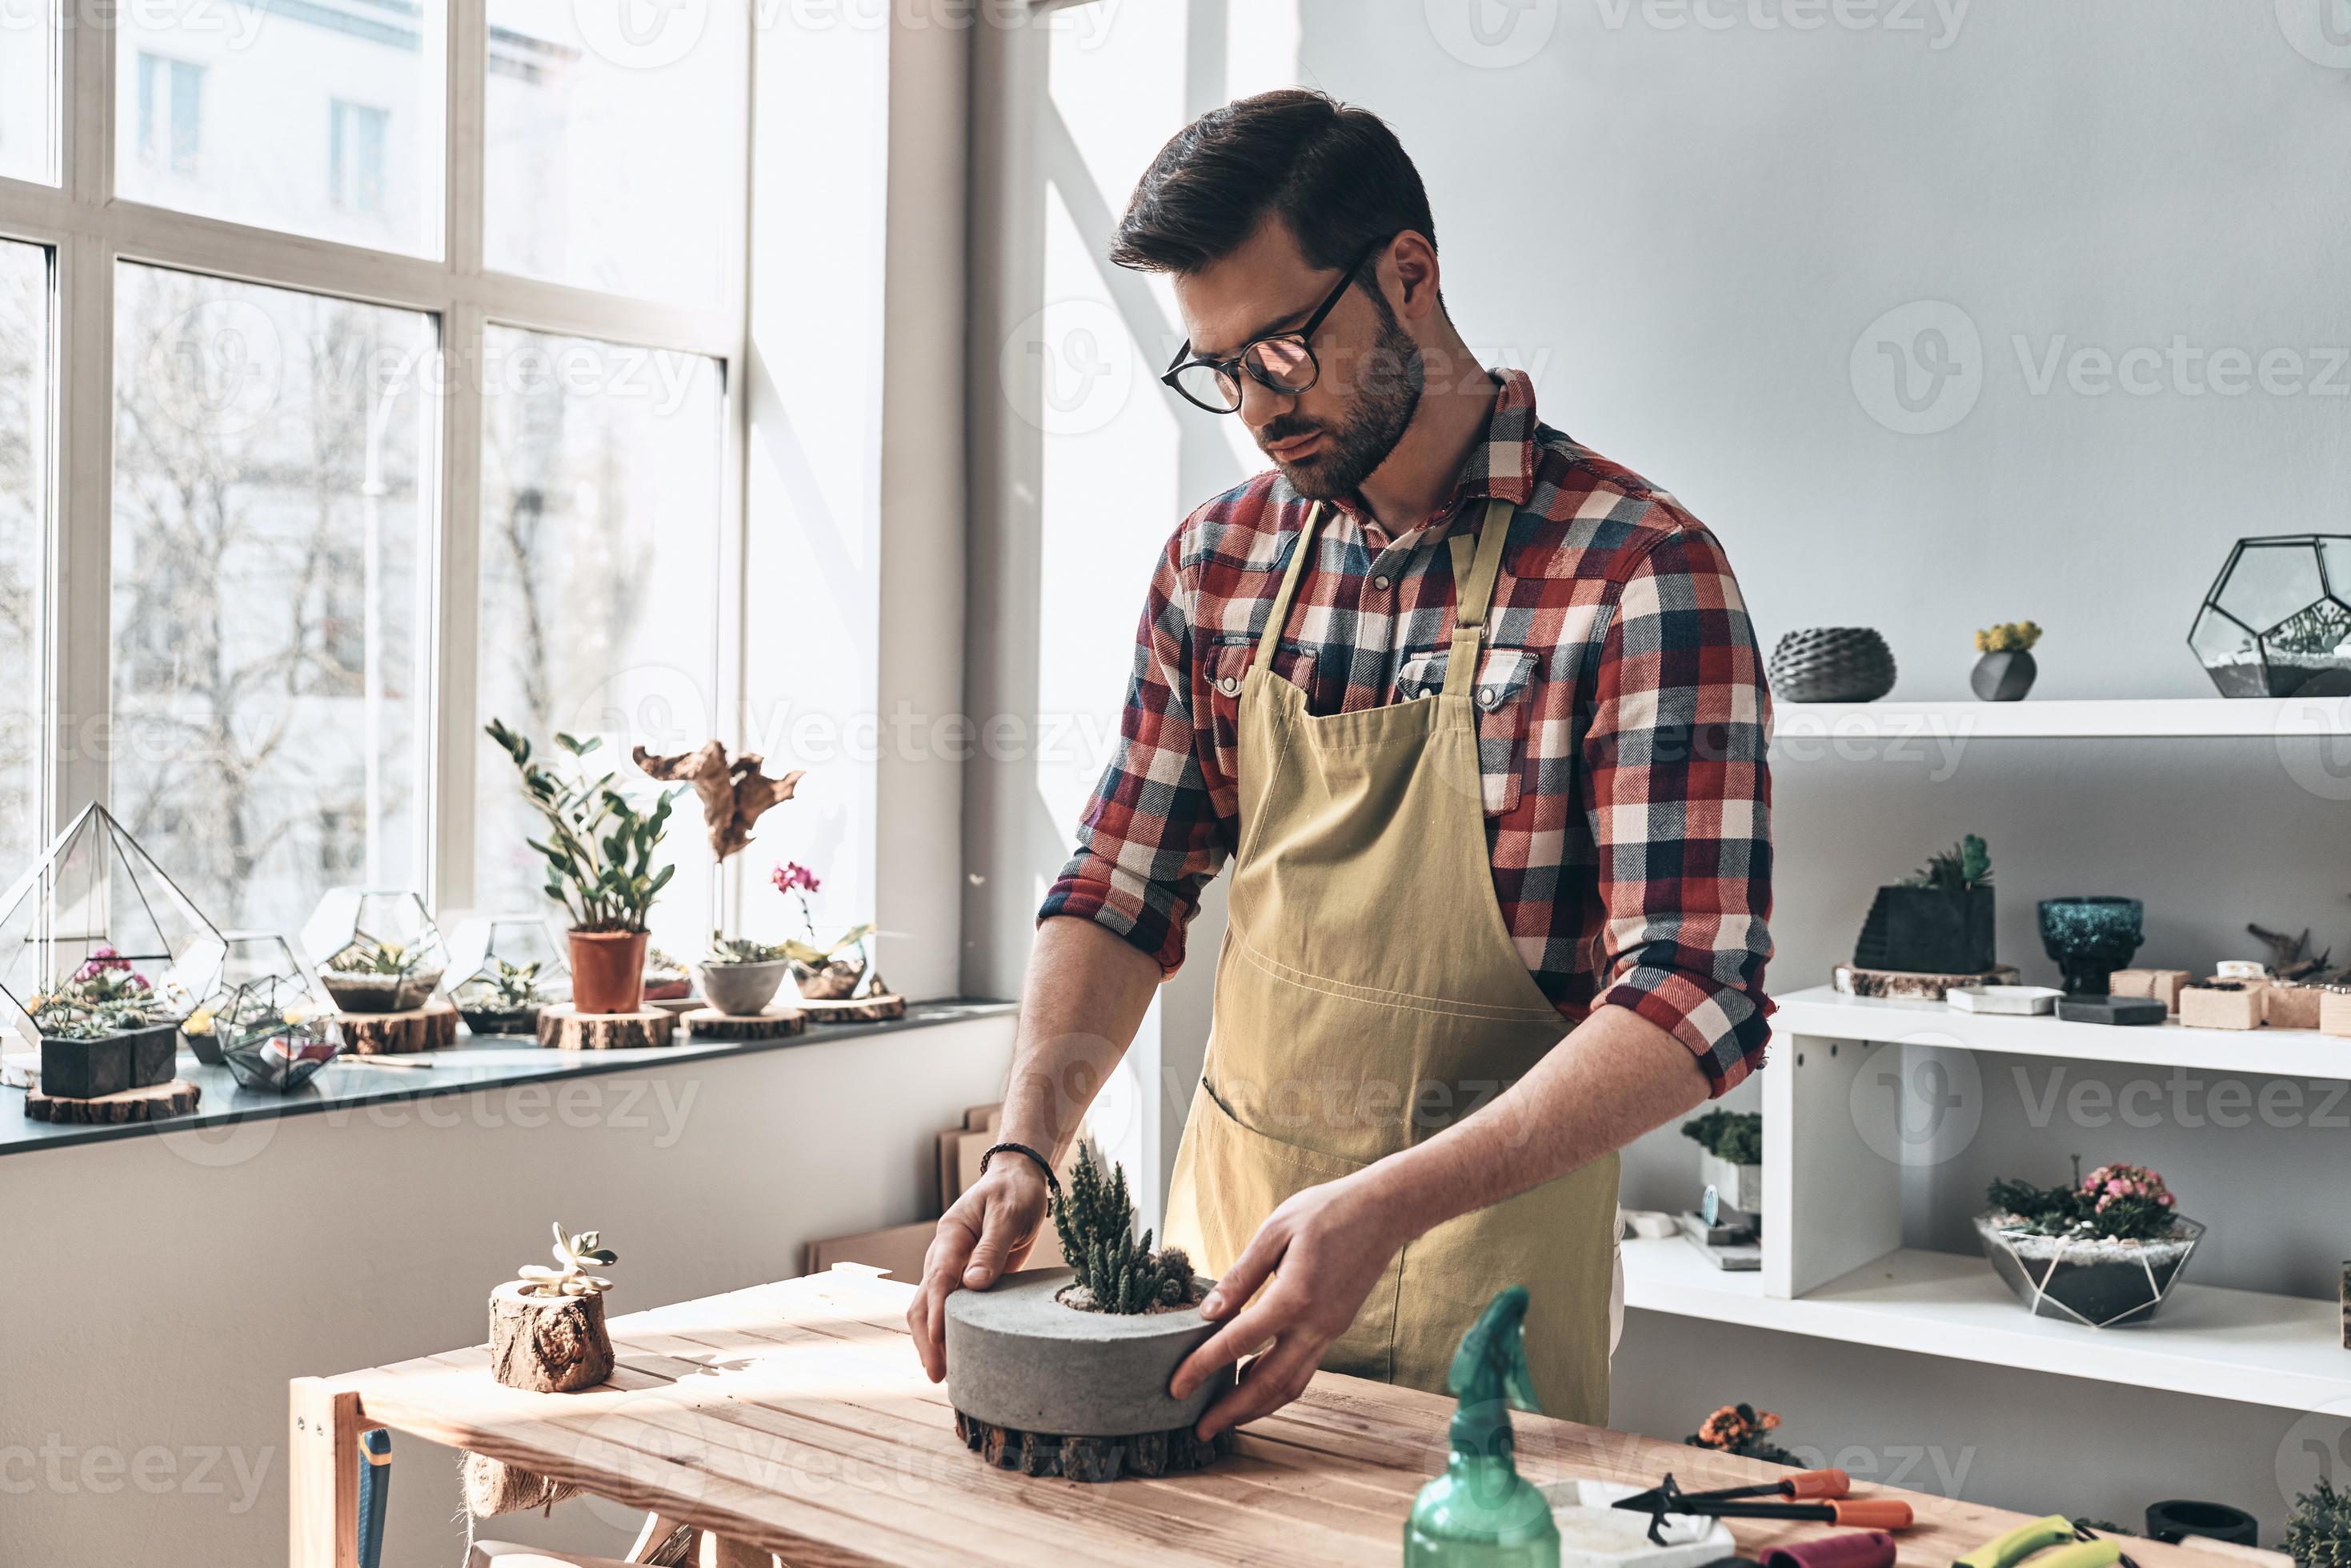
[
  {"x": 321, "y": 119},
  {"x": 28, "y": 99},
  {"x": 23, "y": 457},
  {"x": 600, "y": 589},
  {"x": 613, "y": 154},
  {"x": 269, "y": 459}
]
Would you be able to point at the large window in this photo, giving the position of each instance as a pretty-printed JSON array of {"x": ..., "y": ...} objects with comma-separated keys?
[{"x": 283, "y": 523}]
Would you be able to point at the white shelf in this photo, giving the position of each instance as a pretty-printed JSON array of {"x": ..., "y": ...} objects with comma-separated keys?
[
  {"x": 1824, "y": 1014},
  {"x": 2238, "y": 1345},
  {"x": 1820, "y": 724}
]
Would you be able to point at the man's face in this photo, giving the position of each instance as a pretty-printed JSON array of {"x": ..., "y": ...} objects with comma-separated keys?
[{"x": 1330, "y": 438}]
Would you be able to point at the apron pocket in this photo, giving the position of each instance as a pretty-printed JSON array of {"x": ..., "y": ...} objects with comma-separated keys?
[{"x": 1228, "y": 1178}]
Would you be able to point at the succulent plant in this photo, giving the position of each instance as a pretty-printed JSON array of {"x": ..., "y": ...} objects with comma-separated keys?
[
  {"x": 106, "y": 996},
  {"x": 2319, "y": 1533},
  {"x": 1734, "y": 1136},
  {"x": 742, "y": 950},
  {"x": 1965, "y": 864},
  {"x": 575, "y": 1253},
  {"x": 1095, "y": 1220},
  {"x": 509, "y": 987},
  {"x": 365, "y": 955},
  {"x": 2114, "y": 1202},
  {"x": 2009, "y": 637}
]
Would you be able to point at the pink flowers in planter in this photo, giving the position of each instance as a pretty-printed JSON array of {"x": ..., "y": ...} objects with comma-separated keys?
[{"x": 2111, "y": 1183}]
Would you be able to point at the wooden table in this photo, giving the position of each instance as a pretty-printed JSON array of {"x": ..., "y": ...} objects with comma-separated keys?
[{"x": 792, "y": 1418}]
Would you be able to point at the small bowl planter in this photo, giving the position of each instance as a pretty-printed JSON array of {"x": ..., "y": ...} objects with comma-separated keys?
[
  {"x": 2096, "y": 1280},
  {"x": 742, "y": 989},
  {"x": 83, "y": 1069},
  {"x": 1048, "y": 1388}
]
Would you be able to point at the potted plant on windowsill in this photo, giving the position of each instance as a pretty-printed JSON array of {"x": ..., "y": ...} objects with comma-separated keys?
[
  {"x": 103, "y": 1031},
  {"x": 1938, "y": 920},
  {"x": 740, "y": 976},
  {"x": 1064, "y": 1371},
  {"x": 2105, "y": 1250},
  {"x": 599, "y": 853}
]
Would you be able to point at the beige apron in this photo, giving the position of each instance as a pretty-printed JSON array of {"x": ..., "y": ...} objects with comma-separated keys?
[{"x": 1369, "y": 995}]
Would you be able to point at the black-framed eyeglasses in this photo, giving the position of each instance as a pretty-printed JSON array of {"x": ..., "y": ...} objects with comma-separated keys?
[{"x": 1283, "y": 362}]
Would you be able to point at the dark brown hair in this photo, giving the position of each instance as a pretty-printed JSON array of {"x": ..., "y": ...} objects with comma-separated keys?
[{"x": 1334, "y": 173}]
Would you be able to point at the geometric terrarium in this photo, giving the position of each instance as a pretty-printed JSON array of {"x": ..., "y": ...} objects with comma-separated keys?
[
  {"x": 511, "y": 969},
  {"x": 274, "y": 1035},
  {"x": 101, "y": 955},
  {"x": 251, "y": 955},
  {"x": 378, "y": 951},
  {"x": 2277, "y": 620}
]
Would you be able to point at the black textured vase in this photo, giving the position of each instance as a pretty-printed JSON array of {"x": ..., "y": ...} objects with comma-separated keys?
[{"x": 1832, "y": 664}]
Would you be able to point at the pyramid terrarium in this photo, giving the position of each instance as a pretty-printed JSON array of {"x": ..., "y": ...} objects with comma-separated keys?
[
  {"x": 378, "y": 948},
  {"x": 511, "y": 969},
  {"x": 102, "y": 956}
]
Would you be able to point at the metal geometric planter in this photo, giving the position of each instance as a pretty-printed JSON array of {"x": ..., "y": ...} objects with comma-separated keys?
[
  {"x": 2098, "y": 1282},
  {"x": 2277, "y": 620}
]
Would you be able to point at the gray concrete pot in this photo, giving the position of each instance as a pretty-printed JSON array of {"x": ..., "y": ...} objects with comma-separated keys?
[
  {"x": 741, "y": 990},
  {"x": 1018, "y": 1358}
]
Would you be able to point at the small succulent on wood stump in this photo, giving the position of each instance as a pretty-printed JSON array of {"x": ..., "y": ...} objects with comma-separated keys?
[
  {"x": 574, "y": 1253},
  {"x": 1095, "y": 1220}
]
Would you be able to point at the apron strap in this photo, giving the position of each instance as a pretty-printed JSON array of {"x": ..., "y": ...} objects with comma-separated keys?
[
  {"x": 1279, "y": 616},
  {"x": 1474, "y": 577}
]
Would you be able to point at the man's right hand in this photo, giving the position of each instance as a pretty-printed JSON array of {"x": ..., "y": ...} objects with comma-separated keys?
[{"x": 988, "y": 1232}]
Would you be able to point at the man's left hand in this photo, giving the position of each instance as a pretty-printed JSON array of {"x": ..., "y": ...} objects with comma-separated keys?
[{"x": 1323, "y": 1250}]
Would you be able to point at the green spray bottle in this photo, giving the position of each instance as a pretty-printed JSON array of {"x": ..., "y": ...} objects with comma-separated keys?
[{"x": 1481, "y": 1513}]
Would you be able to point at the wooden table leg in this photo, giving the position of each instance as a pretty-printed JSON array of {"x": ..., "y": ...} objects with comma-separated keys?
[{"x": 322, "y": 1475}]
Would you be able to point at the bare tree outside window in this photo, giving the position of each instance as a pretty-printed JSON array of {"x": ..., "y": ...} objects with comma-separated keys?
[
  {"x": 267, "y": 542},
  {"x": 24, "y": 451}
]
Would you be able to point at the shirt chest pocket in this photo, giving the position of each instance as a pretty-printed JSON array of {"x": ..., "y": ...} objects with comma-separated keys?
[
  {"x": 1228, "y": 666},
  {"x": 1505, "y": 678}
]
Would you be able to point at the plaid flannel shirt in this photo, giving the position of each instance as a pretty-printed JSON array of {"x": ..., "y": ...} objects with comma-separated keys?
[{"x": 1621, "y": 723}]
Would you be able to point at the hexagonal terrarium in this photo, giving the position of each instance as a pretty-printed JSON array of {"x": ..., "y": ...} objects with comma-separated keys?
[
  {"x": 378, "y": 948},
  {"x": 101, "y": 955},
  {"x": 2277, "y": 620},
  {"x": 250, "y": 956},
  {"x": 272, "y": 1033},
  {"x": 512, "y": 968}
]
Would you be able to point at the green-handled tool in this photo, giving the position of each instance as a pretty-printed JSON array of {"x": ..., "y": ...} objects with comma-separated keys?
[{"x": 2081, "y": 1549}]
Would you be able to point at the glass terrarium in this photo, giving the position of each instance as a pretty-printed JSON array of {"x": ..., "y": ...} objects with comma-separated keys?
[
  {"x": 248, "y": 956},
  {"x": 2277, "y": 620},
  {"x": 101, "y": 955},
  {"x": 667, "y": 980},
  {"x": 2097, "y": 1280},
  {"x": 512, "y": 968},
  {"x": 275, "y": 1033},
  {"x": 378, "y": 948}
]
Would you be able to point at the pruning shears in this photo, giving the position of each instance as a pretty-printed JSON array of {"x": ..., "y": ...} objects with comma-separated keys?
[{"x": 2078, "y": 1548}]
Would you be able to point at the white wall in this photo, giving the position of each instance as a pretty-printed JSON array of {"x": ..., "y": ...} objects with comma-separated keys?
[
  {"x": 142, "y": 1374},
  {"x": 1688, "y": 234}
]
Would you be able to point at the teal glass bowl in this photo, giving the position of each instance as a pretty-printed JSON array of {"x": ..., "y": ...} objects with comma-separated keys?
[{"x": 2090, "y": 939}]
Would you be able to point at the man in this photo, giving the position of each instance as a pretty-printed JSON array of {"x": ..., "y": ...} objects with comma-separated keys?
[{"x": 1476, "y": 716}]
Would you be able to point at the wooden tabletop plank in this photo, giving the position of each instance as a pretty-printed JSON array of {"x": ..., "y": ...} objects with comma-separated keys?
[{"x": 794, "y": 1416}]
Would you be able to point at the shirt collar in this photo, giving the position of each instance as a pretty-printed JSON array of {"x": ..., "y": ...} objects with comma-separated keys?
[{"x": 1501, "y": 466}]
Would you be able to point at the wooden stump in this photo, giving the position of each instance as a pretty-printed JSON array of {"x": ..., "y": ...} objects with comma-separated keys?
[
  {"x": 1090, "y": 1458},
  {"x": 708, "y": 1022},
  {"x": 561, "y": 1029},
  {"x": 493, "y": 1487},
  {"x": 432, "y": 1027},
  {"x": 151, "y": 1104},
  {"x": 547, "y": 1345},
  {"x": 856, "y": 1010}
]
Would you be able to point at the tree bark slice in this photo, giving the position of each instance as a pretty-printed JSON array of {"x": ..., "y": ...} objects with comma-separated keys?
[
  {"x": 151, "y": 1104},
  {"x": 559, "y": 1028},
  {"x": 432, "y": 1027},
  {"x": 858, "y": 1010},
  {"x": 709, "y": 1022},
  {"x": 547, "y": 1345},
  {"x": 1090, "y": 1458}
]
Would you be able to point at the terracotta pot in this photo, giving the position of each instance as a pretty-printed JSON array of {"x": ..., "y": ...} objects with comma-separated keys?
[{"x": 608, "y": 971}]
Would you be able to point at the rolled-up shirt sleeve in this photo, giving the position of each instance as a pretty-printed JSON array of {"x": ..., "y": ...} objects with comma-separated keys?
[
  {"x": 1151, "y": 837},
  {"x": 1679, "y": 807}
]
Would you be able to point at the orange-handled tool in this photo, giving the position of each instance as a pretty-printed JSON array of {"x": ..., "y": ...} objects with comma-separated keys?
[
  {"x": 1804, "y": 1484},
  {"x": 1871, "y": 1513},
  {"x": 1857, "y": 1513}
]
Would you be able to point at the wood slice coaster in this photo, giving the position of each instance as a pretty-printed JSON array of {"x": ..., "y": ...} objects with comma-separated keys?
[
  {"x": 856, "y": 1010},
  {"x": 561, "y": 1029},
  {"x": 1908, "y": 986},
  {"x": 151, "y": 1104},
  {"x": 1090, "y": 1458},
  {"x": 709, "y": 1022},
  {"x": 432, "y": 1027}
]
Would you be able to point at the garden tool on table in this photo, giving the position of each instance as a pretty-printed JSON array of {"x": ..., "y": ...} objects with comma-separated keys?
[
  {"x": 1804, "y": 1484},
  {"x": 2076, "y": 1548},
  {"x": 1866, "y": 1513},
  {"x": 1848, "y": 1549}
]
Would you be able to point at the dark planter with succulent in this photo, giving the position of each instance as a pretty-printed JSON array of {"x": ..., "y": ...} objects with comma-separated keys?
[
  {"x": 103, "y": 1031},
  {"x": 599, "y": 867},
  {"x": 1938, "y": 922},
  {"x": 2005, "y": 673},
  {"x": 1064, "y": 1371},
  {"x": 2104, "y": 1251}
]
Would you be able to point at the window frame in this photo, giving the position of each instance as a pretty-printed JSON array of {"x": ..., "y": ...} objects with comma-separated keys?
[{"x": 88, "y": 231}]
